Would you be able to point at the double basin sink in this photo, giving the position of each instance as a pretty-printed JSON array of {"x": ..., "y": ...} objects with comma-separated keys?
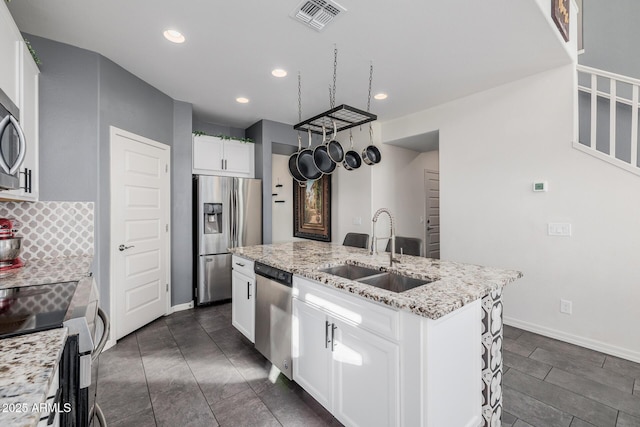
[{"x": 390, "y": 281}]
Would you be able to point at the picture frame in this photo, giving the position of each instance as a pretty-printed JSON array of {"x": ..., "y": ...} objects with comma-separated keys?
[
  {"x": 312, "y": 209},
  {"x": 560, "y": 12}
]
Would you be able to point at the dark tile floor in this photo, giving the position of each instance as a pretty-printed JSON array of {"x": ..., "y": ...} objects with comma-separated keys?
[
  {"x": 550, "y": 383},
  {"x": 194, "y": 369}
]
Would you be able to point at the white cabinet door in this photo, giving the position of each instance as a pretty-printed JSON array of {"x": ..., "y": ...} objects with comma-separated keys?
[
  {"x": 311, "y": 352},
  {"x": 9, "y": 51},
  {"x": 238, "y": 158},
  {"x": 208, "y": 155},
  {"x": 243, "y": 304},
  {"x": 216, "y": 156},
  {"x": 366, "y": 377}
]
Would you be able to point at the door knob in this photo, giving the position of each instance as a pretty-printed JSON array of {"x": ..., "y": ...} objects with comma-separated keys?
[{"x": 123, "y": 247}]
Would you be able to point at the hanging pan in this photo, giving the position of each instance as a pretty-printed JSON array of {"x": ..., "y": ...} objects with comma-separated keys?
[
  {"x": 293, "y": 165},
  {"x": 352, "y": 159},
  {"x": 334, "y": 148},
  {"x": 305, "y": 164},
  {"x": 321, "y": 156},
  {"x": 371, "y": 155}
]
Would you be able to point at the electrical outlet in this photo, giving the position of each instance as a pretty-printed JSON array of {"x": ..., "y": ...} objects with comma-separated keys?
[
  {"x": 356, "y": 220},
  {"x": 565, "y": 306}
]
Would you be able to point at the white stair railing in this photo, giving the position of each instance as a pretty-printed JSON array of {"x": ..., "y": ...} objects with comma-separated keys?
[{"x": 612, "y": 92}]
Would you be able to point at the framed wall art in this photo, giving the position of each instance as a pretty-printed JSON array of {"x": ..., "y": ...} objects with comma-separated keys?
[
  {"x": 560, "y": 15},
  {"x": 312, "y": 210}
]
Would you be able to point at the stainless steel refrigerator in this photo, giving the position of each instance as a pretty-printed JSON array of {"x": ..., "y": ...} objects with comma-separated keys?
[{"x": 228, "y": 214}]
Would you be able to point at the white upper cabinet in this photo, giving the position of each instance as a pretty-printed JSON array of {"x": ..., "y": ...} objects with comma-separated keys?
[
  {"x": 217, "y": 156},
  {"x": 29, "y": 119},
  {"x": 19, "y": 79},
  {"x": 10, "y": 39}
]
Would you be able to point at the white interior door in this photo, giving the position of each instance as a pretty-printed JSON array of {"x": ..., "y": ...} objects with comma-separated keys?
[
  {"x": 140, "y": 256},
  {"x": 432, "y": 213}
]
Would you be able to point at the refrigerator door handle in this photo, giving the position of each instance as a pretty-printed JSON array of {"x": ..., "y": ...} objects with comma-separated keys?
[
  {"x": 234, "y": 214},
  {"x": 231, "y": 215}
]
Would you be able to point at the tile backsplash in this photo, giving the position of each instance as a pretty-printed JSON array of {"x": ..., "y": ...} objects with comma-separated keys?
[{"x": 52, "y": 229}]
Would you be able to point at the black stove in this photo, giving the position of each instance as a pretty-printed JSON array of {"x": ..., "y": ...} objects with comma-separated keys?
[{"x": 36, "y": 308}]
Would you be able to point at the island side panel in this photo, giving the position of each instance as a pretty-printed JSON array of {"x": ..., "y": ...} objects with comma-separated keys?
[{"x": 492, "y": 358}]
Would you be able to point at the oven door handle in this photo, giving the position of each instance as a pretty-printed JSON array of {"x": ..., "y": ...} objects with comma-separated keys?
[{"x": 105, "y": 334}]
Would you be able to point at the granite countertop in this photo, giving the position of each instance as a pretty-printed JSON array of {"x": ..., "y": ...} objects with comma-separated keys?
[
  {"x": 28, "y": 362},
  {"x": 51, "y": 270},
  {"x": 451, "y": 286},
  {"x": 27, "y": 365}
]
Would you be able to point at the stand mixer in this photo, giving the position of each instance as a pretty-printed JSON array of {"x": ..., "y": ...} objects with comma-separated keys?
[{"x": 10, "y": 246}]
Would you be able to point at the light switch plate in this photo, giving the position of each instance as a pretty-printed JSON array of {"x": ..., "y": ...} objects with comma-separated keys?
[
  {"x": 559, "y": 229},
  {"x": 357, "y": 220}
]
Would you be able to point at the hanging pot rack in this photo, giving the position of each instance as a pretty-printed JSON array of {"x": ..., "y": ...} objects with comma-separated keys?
[{"x": 344, "y": 116}]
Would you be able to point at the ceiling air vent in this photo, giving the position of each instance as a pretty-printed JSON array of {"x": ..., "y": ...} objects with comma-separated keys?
[{"x": 317, "y": 13}]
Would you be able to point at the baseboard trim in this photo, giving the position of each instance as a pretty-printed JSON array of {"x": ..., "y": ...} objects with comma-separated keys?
[
  {"x": 600, "y": 346},
  {"x": 109, "y": 344},
  {"x": 181, "y": 307}
]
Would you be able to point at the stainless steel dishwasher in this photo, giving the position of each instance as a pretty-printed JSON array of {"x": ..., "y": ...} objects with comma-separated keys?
[{"x": 273, "y": 316}]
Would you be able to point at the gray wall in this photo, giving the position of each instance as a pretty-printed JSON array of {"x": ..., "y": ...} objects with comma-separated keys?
[
  {"x": 265, "y": 134},
  {"x": 181, "y": 205},
  {"x": 611, "y": 34},
  {"x": 82, "y": 94},
  {"x": 216, "y": 129},
  {"x": 68, "y": 122}
]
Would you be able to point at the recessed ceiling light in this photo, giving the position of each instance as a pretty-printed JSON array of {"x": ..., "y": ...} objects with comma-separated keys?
[
  {"x": 242, "y": 100},
  {"x": 380, "y": 96},
  {"x": 279, "y": 72},
  {"x": 174, "y": 36}
]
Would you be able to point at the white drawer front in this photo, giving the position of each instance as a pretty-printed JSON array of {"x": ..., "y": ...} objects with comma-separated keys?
[
  {"x": 357, "y": 310},
  {"x": 243, "y": 266}
]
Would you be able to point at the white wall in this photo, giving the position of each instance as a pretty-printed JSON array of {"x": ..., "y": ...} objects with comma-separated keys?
[
  {"x": 397, "y": 184},
  {"x": 351, "y": 192},
  {"x": 493, "y": 145}
]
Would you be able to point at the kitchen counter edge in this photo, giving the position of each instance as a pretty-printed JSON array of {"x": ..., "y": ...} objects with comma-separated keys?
[{"x": 452, "y": 285}]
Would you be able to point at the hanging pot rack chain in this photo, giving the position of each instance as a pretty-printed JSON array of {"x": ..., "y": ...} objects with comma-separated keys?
[
  {"x": 299, "y": 98},
  {"x": 335, "y": 71},
  {"x": 344, "y": 116},
  {"x": 370, "y": 83},
  {"x": 369, "y": 99},
  {"x": 299, "y": 107}
]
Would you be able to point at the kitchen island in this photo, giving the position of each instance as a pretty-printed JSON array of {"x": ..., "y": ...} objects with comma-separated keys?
[{"x": 443, "y": 334}]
